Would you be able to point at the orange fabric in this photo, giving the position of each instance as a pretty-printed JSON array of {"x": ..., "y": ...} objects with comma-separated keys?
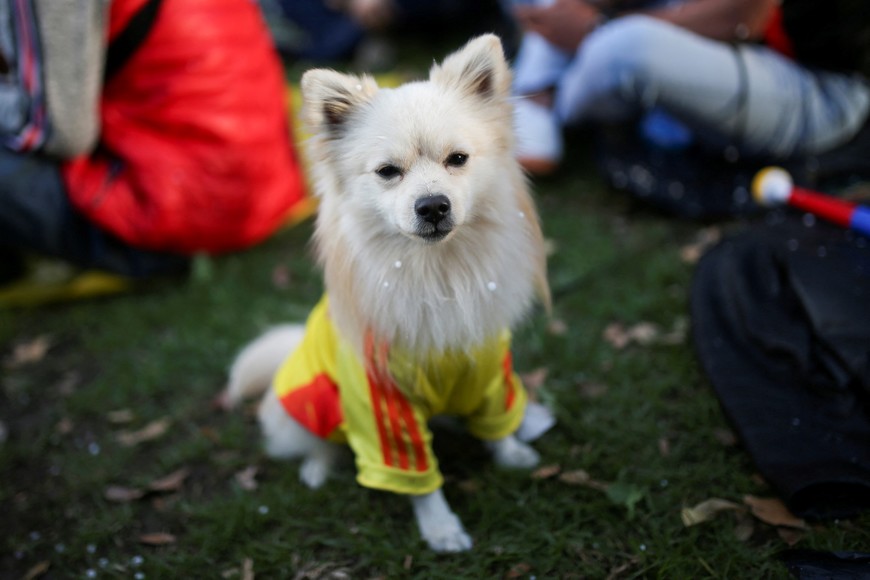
[
  {"x": 315, "y": 406},
  {"x": 196, "y": 154}
]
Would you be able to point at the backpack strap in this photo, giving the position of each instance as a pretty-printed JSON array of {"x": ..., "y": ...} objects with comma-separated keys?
[{"x": 128, "y": 41}]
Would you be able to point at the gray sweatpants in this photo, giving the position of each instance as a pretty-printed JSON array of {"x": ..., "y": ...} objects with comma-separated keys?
[{"x": 748, "y": 96}]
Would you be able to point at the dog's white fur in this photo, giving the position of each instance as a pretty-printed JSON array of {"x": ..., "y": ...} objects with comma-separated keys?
[{"x": 391, "y": 274}]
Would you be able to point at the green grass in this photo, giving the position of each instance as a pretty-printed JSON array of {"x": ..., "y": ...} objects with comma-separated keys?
[{"x": 163, "y": 354}]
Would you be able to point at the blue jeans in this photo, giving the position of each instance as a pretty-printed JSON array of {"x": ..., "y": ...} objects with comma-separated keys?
[
  {"x": 748, "y": 96},
  {"x": 36, "y": 215}
]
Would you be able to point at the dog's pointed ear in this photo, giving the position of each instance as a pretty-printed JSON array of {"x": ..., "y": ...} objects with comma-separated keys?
[
  {"x": 329, "y": 97},
  {"x": 479, "y": 68}
]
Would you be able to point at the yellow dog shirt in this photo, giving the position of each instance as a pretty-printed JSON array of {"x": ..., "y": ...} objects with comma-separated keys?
[{"x": 383, "y": 415}]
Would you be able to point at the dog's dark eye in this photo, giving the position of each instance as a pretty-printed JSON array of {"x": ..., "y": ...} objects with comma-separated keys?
[
  {"x": 388, "y": 171},
  {"x": 456, "y": 159}
]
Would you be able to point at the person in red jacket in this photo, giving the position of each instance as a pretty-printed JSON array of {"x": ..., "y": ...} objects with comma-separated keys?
[{"x": 136, "y": 133}]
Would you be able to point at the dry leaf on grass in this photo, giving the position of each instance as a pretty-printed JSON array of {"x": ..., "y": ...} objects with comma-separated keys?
[
  {"x": 167, "y": 483},
  {"x": 619, "y": 336},
  {"x": 65, "y": 426},
  {"x": 122, "y": 494},
  {"x": 707, "y": 510},
  {"x": 725, "y": 436},
  {"x": 149, "y": 432},
  {"x": 790, "y": 536},
  {"x": 534, "y": 380},
  {"x": 157, "y": 539},
  {"x": 557, "y": 327},
  {"x": 581, "y": 477},
  {"x": 248, "y": 569},
  {"x": 28, "y": 352},
  {"x": 120, "y": 416},
  {"x": 247, "y": 478},
  {"x": 520, "y": 570},
  {"x": 546, "y": 471},
  {"x": 772, "y": 511},
  {"x": 664, "y": 445},
  {"x": 172, "y": 482},
  {"x": 705, "y": 238},
  {"x": 37, "y": 571}
]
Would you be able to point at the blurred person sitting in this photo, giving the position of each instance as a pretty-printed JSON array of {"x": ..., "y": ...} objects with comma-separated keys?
[
  {"x": 766, "y": 78},
  {"x": 330, "y": 30},
  {"x": 136, "y": 133}
]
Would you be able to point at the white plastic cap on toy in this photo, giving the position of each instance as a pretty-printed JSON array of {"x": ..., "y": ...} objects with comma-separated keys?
[{"x": 772, "y": 186}]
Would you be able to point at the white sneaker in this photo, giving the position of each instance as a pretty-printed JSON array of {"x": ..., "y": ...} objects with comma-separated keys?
[{"x": 539, "y": 137}]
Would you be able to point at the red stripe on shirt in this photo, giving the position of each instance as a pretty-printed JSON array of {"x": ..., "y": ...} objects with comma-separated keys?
[
  {"x": 421, "y": 462},
  {"x": 510, "y": 388},
  {"x": 403, "y": 428},
  {"x": 377, "y": 398}
]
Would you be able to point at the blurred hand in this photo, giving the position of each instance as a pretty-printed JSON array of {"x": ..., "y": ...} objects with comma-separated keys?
[
  {"x": 371, "y": 14},
  {"x": 565, "y": 23}
]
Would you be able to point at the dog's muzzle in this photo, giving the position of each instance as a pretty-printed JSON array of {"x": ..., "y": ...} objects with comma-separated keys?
[{"x": 434, "y": 219}]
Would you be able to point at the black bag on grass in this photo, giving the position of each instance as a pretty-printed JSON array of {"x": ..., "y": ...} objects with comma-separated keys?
[
  {"x": 693, "y": 181},
  {"x": 781, "y": 325}
]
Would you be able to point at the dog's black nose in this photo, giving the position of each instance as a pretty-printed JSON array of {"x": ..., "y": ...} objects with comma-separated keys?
[{"x": 433, "y": 208}]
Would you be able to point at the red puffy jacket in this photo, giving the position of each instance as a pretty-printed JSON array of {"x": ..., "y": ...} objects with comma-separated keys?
[{"x": 195, "y": 151}]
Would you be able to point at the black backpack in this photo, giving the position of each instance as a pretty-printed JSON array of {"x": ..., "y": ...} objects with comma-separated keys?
[{"x": 829, "y": 34}]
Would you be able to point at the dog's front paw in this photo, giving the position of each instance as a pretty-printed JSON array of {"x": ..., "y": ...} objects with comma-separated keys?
[
  {"x": 446, "y": 535},
  {"x": 512, "y": 453},
  {"x": 438, "y": 525}
]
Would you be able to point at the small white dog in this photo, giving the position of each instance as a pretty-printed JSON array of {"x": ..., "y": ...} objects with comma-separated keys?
[{"x": 432, "y": 252}]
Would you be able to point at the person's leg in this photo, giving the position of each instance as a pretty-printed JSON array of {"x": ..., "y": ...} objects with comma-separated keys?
[
  {"x": 537, "y": 69},
  {"x": 750, "y": 97},
  {"x": 35, "y": 215}
]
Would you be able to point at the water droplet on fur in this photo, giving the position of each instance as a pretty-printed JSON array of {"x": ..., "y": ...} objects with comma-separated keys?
[
  {"x": 522, "y": 214},
  {"x": 359, "y": 87},
  {"x": 809, "y": 220},
  {"x": 397, "y": 264},
  {"x": 386, "y": 284},
  {"x": 793, "y": 245},
  {"x": 492, "y": 286}
]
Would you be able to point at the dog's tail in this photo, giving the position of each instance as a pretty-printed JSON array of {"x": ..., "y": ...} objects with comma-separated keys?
[{"x": 253, "y": 369}]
